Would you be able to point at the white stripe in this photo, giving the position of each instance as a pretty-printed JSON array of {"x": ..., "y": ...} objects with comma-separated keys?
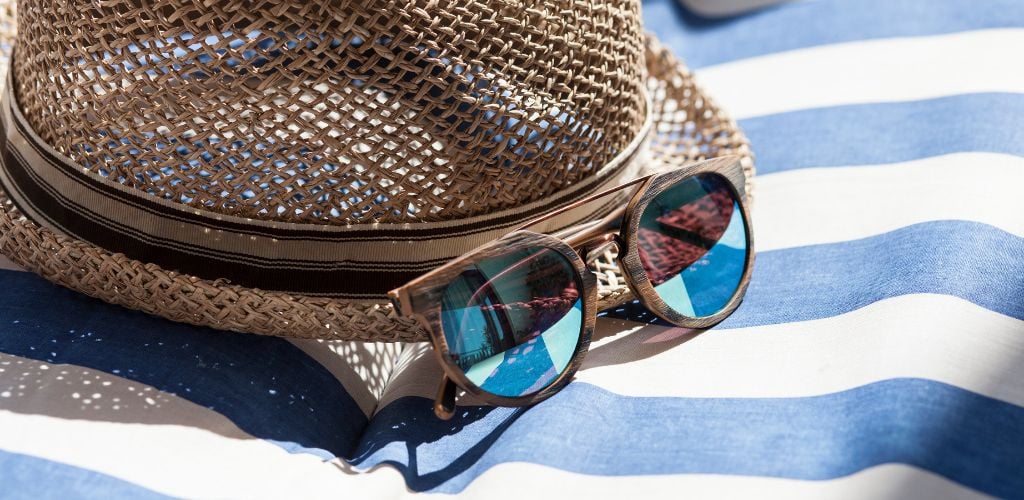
[
  {"x": 883, "y": 481},
  {"x": 935, "y": 337},
  {"x": 869, "y": 71},
  {"x": 6, "y": 263},
  {"x": 155, "y": 445},
  {"x": 824, "y": 205},
  {"x": 185, "y": 462},
  {"x": 157, "y": 440}
]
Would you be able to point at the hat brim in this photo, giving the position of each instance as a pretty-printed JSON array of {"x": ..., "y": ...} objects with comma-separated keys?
[{"x": 687, "y": 127}]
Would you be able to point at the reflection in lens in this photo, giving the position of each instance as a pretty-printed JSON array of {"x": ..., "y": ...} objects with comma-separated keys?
[
  {"x": 692, "y": 243},
  {"x": 513, "y": 321}
]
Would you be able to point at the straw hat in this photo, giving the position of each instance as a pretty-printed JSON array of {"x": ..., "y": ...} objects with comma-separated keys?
[{"x": 277, "y": 166}]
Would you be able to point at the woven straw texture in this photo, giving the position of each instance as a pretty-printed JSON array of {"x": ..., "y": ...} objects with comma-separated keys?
[
  {"x": 195, "y": 138},
  {"x": 310, "y": 111}
]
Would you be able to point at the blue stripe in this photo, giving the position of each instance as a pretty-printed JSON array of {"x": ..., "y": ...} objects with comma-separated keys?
[
  {"x": 268, "y": 387},
  {"x": 233, "y": 374},
  {"x": 971, "y": 439},
  {"x": 970, "y": 260},
  {"x": 887, "y": 132},
  {"x": 704, "y": 42},
  {"x": 28, "y": 477}
]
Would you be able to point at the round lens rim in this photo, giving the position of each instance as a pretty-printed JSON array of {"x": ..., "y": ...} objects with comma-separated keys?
[
  {"x": 523, "y": 238},
  {"x": 633, "y": 271}
]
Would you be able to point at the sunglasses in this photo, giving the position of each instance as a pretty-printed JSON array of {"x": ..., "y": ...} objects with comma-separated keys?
[{"x": 512, "y": 320}]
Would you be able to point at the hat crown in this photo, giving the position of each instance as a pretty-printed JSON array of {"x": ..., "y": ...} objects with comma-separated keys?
[{"x": 335, "y": 112}]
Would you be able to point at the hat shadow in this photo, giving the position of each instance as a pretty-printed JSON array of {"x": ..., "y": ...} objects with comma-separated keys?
[
  {"x": 73, "y": 357},
  {"x": 88, "y": 360}
]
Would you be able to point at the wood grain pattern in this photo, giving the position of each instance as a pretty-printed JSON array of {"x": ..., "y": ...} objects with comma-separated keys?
[
  {"x": 629, "y": 257},
  {"x": 422, "y": 298}
]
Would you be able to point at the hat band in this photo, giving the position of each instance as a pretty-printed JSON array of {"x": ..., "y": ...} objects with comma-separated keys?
[{"x": 354, "y": 262}]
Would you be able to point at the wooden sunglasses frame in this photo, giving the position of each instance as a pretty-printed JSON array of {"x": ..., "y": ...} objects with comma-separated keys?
[{"x": 421, "y": 298}]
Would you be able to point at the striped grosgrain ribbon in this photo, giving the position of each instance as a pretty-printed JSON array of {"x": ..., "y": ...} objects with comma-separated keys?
[{"x": 354, "y": 262}]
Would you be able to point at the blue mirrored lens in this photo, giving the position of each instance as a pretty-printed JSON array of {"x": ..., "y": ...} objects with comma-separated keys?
[
  {"x": 692, "y": 243},
  {"x": 513, "y": 321}
]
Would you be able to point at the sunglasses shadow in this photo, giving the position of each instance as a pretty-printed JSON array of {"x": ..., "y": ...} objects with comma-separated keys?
[
  {"x": 630, "y": 333},
  {"x": 429, "y": 452}
]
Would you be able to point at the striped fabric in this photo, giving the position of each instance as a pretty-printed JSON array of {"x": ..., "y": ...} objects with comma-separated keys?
[{"x": 879, "y": 351}]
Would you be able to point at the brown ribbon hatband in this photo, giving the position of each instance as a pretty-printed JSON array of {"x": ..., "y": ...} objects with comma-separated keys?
[{"x": 357, "y": 261}]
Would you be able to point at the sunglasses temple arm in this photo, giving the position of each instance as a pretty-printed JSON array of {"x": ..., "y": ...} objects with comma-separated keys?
[{"x": 444, "y": 404}]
